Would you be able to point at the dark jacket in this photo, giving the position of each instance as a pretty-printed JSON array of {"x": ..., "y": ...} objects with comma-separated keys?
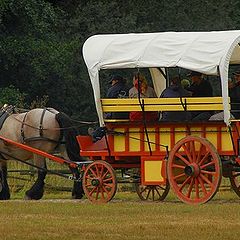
[
  {"x": 204, "y": 89},
  {"x": 175, "y": 91},
  {"x": 118, "y": 90},
  {"x": 234, "y": 94}
]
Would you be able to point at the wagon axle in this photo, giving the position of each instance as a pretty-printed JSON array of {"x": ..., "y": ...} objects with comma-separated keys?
[
  {"x": 192, "y": 170},
  {"x": 95, "y": 182}
]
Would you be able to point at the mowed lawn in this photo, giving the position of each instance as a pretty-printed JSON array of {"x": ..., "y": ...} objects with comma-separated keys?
[{"x": 125, "y": 217}]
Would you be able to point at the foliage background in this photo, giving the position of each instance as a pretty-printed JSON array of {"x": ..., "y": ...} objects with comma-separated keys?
[{"x": 41, "y": 41}]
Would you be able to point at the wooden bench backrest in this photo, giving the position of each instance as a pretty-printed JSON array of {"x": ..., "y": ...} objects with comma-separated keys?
[{"x": 163, "y": 104}]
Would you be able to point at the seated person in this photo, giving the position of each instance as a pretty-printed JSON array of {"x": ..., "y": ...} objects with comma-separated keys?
[
  {"x": 118, "y": 89},
  {"x": 141, "y": 89},
  {"x": 200, "y": 88},
  {"x": 234, "y": 93},
  {"x": 175, "y": 90},
  {"x": 145, "y": 90}
]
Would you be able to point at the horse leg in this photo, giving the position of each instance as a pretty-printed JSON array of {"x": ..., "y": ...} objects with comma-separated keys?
[
  {"x": 37, "y": 189},
  {"x": 77, "y": 191},
  {"x": 4, "y": 189}
]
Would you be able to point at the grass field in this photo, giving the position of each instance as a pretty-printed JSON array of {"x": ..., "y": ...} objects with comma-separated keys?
[
  {"x": 126, "y": 217},
  {"x": 59, "y": 217}
]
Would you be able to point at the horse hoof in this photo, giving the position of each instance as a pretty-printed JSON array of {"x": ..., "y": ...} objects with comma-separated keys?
[
  {"x": 26, "y": 197},
  {"x": 80, "y": 196}
]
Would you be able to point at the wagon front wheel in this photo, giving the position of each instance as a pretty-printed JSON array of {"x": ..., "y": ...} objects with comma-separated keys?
[
  {"x": 194, "y": 170},
  {"x": 99, "y": 182},
  {"x": 152, "y": 192}
]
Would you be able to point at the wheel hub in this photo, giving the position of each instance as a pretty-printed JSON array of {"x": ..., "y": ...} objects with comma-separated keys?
[
  {"x": 192, "y": 170},
  {"x": 95, "y": 182}
]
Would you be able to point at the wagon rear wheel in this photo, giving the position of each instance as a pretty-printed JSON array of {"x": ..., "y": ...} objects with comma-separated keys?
[
  {"x": 235, "y": 182},
  {"x": 152, "y": 192},
  {"x": 99, "y": 182},
  {"x": 194, "y": 170}
]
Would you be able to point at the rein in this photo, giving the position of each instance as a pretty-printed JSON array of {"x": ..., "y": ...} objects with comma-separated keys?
[{"x": 60, "y": 128}]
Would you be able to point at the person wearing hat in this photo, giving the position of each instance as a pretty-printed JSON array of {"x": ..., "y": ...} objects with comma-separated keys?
[
  {"x": 118, "y": 87},
  {"x": 234, "y": 93},
  {"x": 200, "y": 88},
  {"x": 175, "y": 90}
]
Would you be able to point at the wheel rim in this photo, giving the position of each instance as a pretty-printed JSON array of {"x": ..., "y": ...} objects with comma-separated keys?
[
  {"x": 99, "y": 182},
  {"x": 194, "y": 170},
  {"x": 235, "y": 182},
  {"x": 152, "y": 192}
]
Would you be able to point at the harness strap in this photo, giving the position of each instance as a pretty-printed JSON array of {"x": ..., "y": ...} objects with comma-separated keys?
[
  {"x": 24, "y": 139},
  {"x": 22, "y": 128},
  {"x": 41, "y": 122}
]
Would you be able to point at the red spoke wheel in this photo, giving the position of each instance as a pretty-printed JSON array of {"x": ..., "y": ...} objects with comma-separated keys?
[
  {"x": 152, "y": 192},
  {"x": 235, "y": 182},
  {"x": 99, "y": 182},
  {"x": 194, "y": 170}
]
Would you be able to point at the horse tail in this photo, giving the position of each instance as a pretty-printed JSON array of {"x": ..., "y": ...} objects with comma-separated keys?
[{"x": 69, "y": 132}]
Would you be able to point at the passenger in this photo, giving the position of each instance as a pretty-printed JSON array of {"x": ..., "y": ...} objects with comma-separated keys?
[
  {"x": 118, "y": 89},
  {"x": 185, "y": 83},
  {"x": 141, "y": 88},
  {"x": 200, "y": 88},
  {"x": 234, "y": 93},
  {"x": 145, "y": 90},
  {"x": 175, "y": 90}
]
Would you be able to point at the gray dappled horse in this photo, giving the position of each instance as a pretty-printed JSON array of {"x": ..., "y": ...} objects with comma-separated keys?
[{"x": 41, "y": 129}]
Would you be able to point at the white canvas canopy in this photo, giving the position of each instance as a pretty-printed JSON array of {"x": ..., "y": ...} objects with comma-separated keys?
[{"x": 206, "y": 52}]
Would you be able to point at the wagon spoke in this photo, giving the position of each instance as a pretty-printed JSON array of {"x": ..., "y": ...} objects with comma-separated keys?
[
  {"x": 92, "y": 191},
  {"x": 143, "y": 190},
  {"x": 193, "y": 151},
  {"x": 205, "y": 180},
  {"x": 148, "y": 192},
  {"x": 105, "y": 174},
  {"x": 190, "y": 188},
  {"x": 204, "y": 158},
  {"x": 110, "y": 185},
  {"x": 187, "y": 153},
  {"x": 93, "y": 173},
  {"x": 97, "y": 170},
  {"x": 97, "y": 193},
  {"x": 107, "y": 179},
  {"x": 89, "y": 177},
  {"x": 208, "y": 173},
  {"x": 179, "y": 176},
  {"x": 182, "y": 158},
  {"x": 153, "y": 197},
  {"x": 207, "y": 165},
  {"x": 102, "y": 193},
  {"x": 196, "y": 188},
  {"x": 200, "y": 153},
  {"x": 101, "y": 172},
  {"x": 202, "y": 185},
  {"x": 158, "y": 192},
  {"x": 178, "y": 166},
  {"x": 185, "y": 183}
]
